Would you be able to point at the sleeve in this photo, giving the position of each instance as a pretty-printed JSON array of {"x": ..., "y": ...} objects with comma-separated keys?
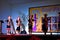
[{"x": 2, "y": 21}]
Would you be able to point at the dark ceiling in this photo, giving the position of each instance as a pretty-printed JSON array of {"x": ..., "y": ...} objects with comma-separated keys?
[
  {"x": 25, "y": 1},
  {"x": 20, "y": 1}
]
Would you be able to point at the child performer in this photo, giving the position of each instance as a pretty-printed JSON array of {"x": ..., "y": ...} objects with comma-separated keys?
[
  {"x": 59, "y": 21},
  {"x": 9, "y": 25},
  {"x": 18, "y": 21},
  {"x": 1, "y": 21},
  {"x": 45, "y": 24},
  {"x": 30, "y": 23}
]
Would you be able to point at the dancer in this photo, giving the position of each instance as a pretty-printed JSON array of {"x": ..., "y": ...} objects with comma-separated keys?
[
  {"x": 45, "y": 24},
  {"x": 30, "y": 23},
  {"x": 9, "y": 24},
  {"x": 1, "y": 21},
  {"x": 18, "y": 21},
  {"x": 59, "y": 21}
]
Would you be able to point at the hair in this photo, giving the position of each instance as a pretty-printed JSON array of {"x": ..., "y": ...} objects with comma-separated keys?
[
  {"x": 45, "y": 14},
  {"x": 59, "y": 13},
  {"x": 9, "y": 16}
]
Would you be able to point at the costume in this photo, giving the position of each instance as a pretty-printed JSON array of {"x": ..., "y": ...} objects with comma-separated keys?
[
  {"x": 9, "y": 23},
  {"x": 45, "y": 25},
  {"x": 18, "y": 28},
  {"x": 30, "y": 24}
]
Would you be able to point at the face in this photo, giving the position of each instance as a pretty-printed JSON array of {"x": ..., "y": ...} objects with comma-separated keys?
[
  {"x": 9, "y": 17},
  {"x": 18, "y": 18}
]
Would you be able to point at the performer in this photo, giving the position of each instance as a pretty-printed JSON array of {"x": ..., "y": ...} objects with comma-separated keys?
[
  {"x": 1, "y": 21},
  {"x": 9, "y": 24},
  {"x": 30, "y": 23},
  {"x": 18, "y": 21},
  {"x": 59, "y": 21},
  {"x": 45, "y": 24},
  {"x": 23, "y": 32}
]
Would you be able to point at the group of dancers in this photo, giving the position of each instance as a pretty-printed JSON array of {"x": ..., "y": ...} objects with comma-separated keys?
[
  {"x": 10, "y": 23},
  {"x": 44, "y": 26},
  {"x": 45, "y": 23},
  {"x": 10, "y": 26},
  {"x": 30, "y": 24},
  {"x": 19, "y": 28}
]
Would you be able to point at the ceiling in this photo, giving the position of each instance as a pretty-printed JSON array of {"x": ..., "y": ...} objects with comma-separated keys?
[
  {"x": 23, "y": 1},
  {"x": 20, "y": 1}
]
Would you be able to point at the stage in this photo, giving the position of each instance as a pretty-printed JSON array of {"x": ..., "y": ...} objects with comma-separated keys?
[{"x": 29, "y": 37}]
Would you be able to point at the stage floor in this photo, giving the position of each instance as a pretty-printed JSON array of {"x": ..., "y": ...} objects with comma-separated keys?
[
  {"x": 38, "y": 36},
  {"x": 38, "y": 33},
  {"x": 29, "y": 37}
]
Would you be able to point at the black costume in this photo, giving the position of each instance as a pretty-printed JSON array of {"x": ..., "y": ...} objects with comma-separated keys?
[
  {"x": 44, "y": 26},
  {"x": 30, "y": 24},
  {"x": 23, "y": 32},
  {"x": 18, "y": 28},
  {"x": 1, "y": 21},
  {"x": 9, "y": 26}
]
